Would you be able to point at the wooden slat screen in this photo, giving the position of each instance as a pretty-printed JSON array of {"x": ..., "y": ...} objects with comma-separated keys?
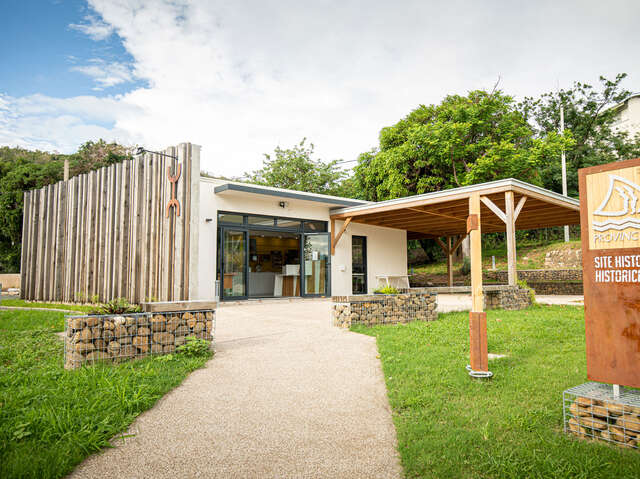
[{"x": 105, "y": 234}]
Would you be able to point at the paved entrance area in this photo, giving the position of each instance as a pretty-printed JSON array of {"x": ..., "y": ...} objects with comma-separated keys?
[
  {"x": 462, "y": 302},
  {"x": 287, "y": 395}
]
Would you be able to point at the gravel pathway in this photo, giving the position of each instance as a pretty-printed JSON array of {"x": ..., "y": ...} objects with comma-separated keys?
[{"x": 286, "y": 395}]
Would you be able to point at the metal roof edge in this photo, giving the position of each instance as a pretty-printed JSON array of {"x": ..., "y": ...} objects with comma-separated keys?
[
  {"x": 463, "y": 189},
  {"x": 282, "y": 193}
]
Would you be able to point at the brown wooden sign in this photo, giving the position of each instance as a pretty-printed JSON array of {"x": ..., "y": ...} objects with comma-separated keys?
[{"x": 610, "y": 230}]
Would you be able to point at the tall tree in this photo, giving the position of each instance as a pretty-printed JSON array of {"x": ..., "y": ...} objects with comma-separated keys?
[
  {"x": 22, "y": 170},
  {"x": 463, "y": 140},
  {"x": 296, "y": 169},
  {"x": 589, "y": 114}
]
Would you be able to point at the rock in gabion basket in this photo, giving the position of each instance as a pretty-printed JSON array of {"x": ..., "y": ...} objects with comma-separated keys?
[{"x": 117, "y": 338}]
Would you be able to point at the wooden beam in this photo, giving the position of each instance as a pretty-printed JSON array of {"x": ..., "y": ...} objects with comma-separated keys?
[
  {"x": 511, "y": 239},
  {"x": 334, "y": 240},
  {"x": 444, "y": 247},
  {"x": 518, "y": 209},
  {"x": 457, "y": 244},
  {"x": 479, "y": 359},
  {"x": 492, "y": 206},
  {"x": 476, "y": 256},
  {"x": 449, "y": 261}
]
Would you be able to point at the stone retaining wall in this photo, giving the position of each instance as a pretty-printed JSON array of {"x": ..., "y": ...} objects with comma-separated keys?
[
  {"x": 384, "y": 309},
  {"x": 532, "y": 275},
  {"x": 507, "y": 297},
  {"x": 557, "y": 287},
  {"x": 117, "y": 338}
]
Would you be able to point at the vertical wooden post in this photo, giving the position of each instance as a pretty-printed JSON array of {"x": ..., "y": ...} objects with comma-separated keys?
[
  {"x": 450, "y": 253},
  {"x": 477, "y": 318},
  {"x": 511, "y": 239}
]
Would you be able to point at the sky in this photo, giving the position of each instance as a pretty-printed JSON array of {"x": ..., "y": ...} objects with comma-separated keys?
[{"x": 241, "y": 77}]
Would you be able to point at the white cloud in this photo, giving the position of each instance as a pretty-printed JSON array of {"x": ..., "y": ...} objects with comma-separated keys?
[
  {"x": 240, "y": 78},
  {"x": 105, "y": 74},
  {"x": 94, "y": 27}
]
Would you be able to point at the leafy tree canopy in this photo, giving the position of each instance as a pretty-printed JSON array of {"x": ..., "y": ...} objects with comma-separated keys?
[
  {"x": 296, "y": 169},
  {"x": 463, "y": 140},
  {"x": 589, "y": 114},
  {"x": 22, "y": 170}
]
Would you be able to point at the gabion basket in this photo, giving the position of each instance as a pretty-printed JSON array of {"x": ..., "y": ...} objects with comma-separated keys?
[
  {"x": 117, "y": 338},
  {"x": 591, "y": 411}
]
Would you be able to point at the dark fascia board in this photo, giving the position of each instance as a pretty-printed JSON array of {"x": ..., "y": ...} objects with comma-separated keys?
[{"x": 287, "y": 194}]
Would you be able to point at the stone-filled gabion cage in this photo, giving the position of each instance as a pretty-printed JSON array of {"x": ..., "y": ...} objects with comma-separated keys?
[
  {"x": 591, "y": 411},
  {"x": 117, "y": 338},
  {"x": 384, "y": 309}
]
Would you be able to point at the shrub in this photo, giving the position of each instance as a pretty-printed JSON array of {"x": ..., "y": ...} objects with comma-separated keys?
[
  {"x": 465, "y": 269},
  {"x": 117, "y": 306},
  {"x": 522, "y": 284},
  {"x": 194, "y": 347},
  {"x": 387, "y": 290}
]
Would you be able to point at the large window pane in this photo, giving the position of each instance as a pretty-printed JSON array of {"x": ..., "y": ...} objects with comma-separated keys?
[
  {"x": 261, "y": 220},
  {"x": 359, "y": 264},
  {"x": 287, "y": 223},
  {"x": 230, "y": 218},
  {"x": 235, "y": 248},
  {"x": 316, "y": 262},
  {"x": 315, "y": 226}
]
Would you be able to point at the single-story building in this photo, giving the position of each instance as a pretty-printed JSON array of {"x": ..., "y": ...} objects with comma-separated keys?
[
  {"x": 272, "y": 242},
  {"x": 154, "y": 229}
]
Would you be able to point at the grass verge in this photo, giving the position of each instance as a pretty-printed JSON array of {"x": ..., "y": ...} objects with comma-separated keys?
[
  {"x": 51, "y": 419},
  {"x": 451, "y": 426},
  {"x": 35, "y": 304}
]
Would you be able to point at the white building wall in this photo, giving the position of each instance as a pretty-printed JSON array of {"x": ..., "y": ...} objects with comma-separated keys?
[
  {"x": 386, "y": 254},
  {"x": 628, "y": 118},
  {"x": 386, "y": 247}
]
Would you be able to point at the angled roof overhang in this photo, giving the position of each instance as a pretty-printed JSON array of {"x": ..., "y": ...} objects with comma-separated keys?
[{"x": 444, "y": 213}]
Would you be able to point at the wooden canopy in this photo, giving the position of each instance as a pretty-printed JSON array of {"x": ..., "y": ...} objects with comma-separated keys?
[
  {"x": 444, "y": 213},
  {"x": 503, "y": 205}
]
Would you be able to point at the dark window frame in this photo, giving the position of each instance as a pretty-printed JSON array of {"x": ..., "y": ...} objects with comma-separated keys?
[{"x": 364, "y": 263}]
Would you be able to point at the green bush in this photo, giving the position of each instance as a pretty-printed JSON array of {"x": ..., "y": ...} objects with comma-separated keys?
[
  {"x": 194, "y": 347},
  {"x": 465, "y": 269},
  {"x": 522, "y": 284},
  {"x": 117, "y": 306},
  {"x": 387, "y": 290}
]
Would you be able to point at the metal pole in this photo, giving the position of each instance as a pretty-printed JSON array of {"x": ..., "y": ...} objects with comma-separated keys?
[{"x": 564, "y": 170}]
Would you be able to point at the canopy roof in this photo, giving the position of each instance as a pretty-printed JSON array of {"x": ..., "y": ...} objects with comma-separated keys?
[{"x": 444, "y": 213}]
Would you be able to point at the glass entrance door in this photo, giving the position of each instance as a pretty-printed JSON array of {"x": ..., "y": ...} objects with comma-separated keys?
[
  {"x": 316, "y": 264},
  {"x": 234, "y": 251},
  {"x": 358, "y": 265}
]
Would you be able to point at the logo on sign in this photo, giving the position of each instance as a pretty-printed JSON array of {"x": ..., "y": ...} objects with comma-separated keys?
[{"x": 620, "y": 204}]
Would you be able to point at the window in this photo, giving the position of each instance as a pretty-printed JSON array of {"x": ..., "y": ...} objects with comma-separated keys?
[
  {"x": 287, "y": 223},
  {"x": 359, "y": 265},
  {"x": 315, "y": 226},
  {"x": 262, "y": 220},
  {"x": 230, "y": 218}
]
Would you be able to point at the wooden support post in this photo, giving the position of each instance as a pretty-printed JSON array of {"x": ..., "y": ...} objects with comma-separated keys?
[
  {"x": 479, "y": 360},
  {"x": 450, "y": 252},
  {"x": 511, "y": 238},
  {"x": 336, "y": 237}
]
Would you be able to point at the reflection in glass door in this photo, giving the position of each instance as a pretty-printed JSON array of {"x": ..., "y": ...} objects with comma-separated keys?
[
  {"x": 233, "y": 274},
  {"x": 316, "y": 264}
]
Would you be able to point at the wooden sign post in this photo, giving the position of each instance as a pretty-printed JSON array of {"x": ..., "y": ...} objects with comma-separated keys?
[{"x": 610, "y": 230}]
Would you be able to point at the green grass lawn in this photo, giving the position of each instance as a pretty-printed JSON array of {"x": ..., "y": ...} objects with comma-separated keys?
[
  {"x": 452, "y": 426},
  {"x": 35, "y": 304},
  {"x": 51, "y": 419}
]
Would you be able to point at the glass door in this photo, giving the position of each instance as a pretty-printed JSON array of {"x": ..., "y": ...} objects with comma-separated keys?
[
  {"x": 316, "y": 263},
  {"x": 234, "y": 264},
  {"x": 359, "y": 265}
]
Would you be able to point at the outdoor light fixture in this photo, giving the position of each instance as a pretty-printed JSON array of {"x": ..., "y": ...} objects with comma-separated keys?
[{"x": 140, "y": 150}]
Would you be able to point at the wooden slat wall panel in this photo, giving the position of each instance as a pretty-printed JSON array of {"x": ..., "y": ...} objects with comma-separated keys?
[{"x": 106, "y": 233}]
